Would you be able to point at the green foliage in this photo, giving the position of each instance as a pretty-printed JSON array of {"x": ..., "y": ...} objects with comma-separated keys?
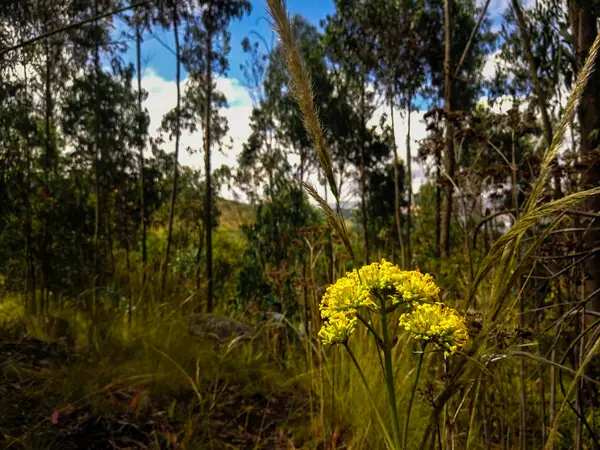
[{"x": 272, "y": 263}]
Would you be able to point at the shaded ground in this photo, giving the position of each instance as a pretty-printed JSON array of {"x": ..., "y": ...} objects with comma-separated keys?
[{"x": 33, "y": 416}]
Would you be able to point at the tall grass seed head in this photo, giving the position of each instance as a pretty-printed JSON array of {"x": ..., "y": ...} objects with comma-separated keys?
[{"x": 438, "y": 325}]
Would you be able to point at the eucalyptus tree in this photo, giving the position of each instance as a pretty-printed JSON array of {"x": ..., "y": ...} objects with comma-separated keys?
[
  {"x": 176, "y": 11},
  {"x": 351, "y": 52},
  {"x": 208, "y": 41},
  {"x": 400, "y": 74},
  {"x": 452, "y": 28},
  {"x": 584, "y": 29},
  {"x": 140, "y": 21}
]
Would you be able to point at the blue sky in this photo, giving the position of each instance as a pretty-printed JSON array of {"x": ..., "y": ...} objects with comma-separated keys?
[{"x": 162, "y": 61}]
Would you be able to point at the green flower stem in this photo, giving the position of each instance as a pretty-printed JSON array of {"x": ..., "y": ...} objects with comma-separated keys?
[
  {"x": 389, "y": 376},
  {"x": 412, "y": 396},
  {"x": 370, "y": 328},
  {"x": 371, "y": 398}
]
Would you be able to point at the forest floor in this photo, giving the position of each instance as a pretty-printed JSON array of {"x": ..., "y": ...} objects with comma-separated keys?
[{"x": 42, "y": 408}]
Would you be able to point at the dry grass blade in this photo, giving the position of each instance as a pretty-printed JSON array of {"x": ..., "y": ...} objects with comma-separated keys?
[
  {"x": 554, "y": 427},
  {"x": 526, "y": 221},
  {"x": 542, "y": 360},
  {"x": 183, "y": 372},
  {"x": 532, "y": 213},
  {"x": 575, "y": 97},
  {"x": 335, "y": 222}
]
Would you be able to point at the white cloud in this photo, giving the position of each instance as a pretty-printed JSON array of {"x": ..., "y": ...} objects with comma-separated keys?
[
  {"x": 162, "y": 98},
  {"x": 162, "y": 95},
  {"x": 496, "y": 8},
  {"x": 418, "y": 132},
  {"x": 489, "y": 68}
]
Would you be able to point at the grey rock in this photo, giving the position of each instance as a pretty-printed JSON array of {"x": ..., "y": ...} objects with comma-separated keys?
[{"x": 221, "y": 330}]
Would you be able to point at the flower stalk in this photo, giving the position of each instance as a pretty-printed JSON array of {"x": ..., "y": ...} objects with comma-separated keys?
[
  {"x": 382, "y": 288},
  {"x": 370, "y": 395},
  {"x": 412, "y": 395},
  {"x": 389, "y": 376}
]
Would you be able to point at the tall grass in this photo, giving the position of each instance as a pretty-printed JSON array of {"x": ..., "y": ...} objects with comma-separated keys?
[{"x": 499, "y": 284}]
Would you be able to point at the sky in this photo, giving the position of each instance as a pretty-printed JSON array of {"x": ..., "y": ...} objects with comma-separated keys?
[{"x": 158, "y": 79}]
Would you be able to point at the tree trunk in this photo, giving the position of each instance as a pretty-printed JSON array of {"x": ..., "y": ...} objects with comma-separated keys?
[
  {"x": 30, "y": 293},
  {"x": 541, "y": 96},
  {"x": 438, "y": 201},
  {"x": 96, "y": 161},
  {"x": 198, "y": 274},
  {"x": 138, "y": 45},
  {"x": 363, "y": 188},
  {"x": 408, "y": 184},
  {"x": 330, "y": 250},
  {"x": 449, "y": 160},
  {"x": 45, "y": 288},
  {"x": 208, "y": 193},
  {"x": 165, "y": 267},
  {"x": 589, "y": 121},
  {"x": 397, "y": 213}
]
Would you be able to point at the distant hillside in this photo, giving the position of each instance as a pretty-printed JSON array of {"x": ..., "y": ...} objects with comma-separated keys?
[{"x": 235, "y": 214}]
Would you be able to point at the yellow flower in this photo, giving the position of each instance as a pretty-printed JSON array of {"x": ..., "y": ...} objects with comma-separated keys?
[
  {"x": 338, "y": 328},
  {"x": 401, "y": 286},
  {"x": 366, "y": 287},
  {"x": 345, "y": 294},
  {"x": 436, "y": 324}
]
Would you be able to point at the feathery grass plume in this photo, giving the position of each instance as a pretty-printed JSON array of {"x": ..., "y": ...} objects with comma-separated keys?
[
  {"x": 301, "y": 86},
  {"x": 505, "y": 253},
  {"x": 336, "y": 222},
  {"x": 574, "y": 98},
  {"x": 532, "y": 213}
]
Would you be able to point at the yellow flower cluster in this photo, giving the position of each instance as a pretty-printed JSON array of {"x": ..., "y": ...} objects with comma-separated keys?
[
  {"x": 436, "y": 324},
  {"x": 338, "y": 328},
  {"x": 365, "y": 287},
  {"x": 402, "y": 286}
]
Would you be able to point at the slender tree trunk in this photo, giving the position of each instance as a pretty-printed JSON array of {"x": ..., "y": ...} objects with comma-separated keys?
[
  {"x": 363, "y": 188},
  {"x": 96, "y": 156},
  {"x": 541, "y": 96},
  {"x": 30, "y": 294},
  {"x": 30, "y": 290},
  {"x": 198, "y": 274},
  {"x": 438, "y": 201},
  {"x": 409, "y": 184},
  {"x": 449, "y": 159},
  {"x": 330, "y": 251},
  {"x": 44, "y": 292},
  {"x": 522, "y": 367},
  {"x": 129, "y": 284},
  {"x": 579, "y": 391},
  {"x": 208, "y": 193},
  {"x": 589, "y": 122},
  {"x": 138, "y": 48},
  {"x": 397, "y": 212},
  {"x": 165, "y": 267}
]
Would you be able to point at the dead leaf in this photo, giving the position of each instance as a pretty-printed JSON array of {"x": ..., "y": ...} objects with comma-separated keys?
[
  {"x": 113, "y": 445},
  {"x": 133, "y": 402}
]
